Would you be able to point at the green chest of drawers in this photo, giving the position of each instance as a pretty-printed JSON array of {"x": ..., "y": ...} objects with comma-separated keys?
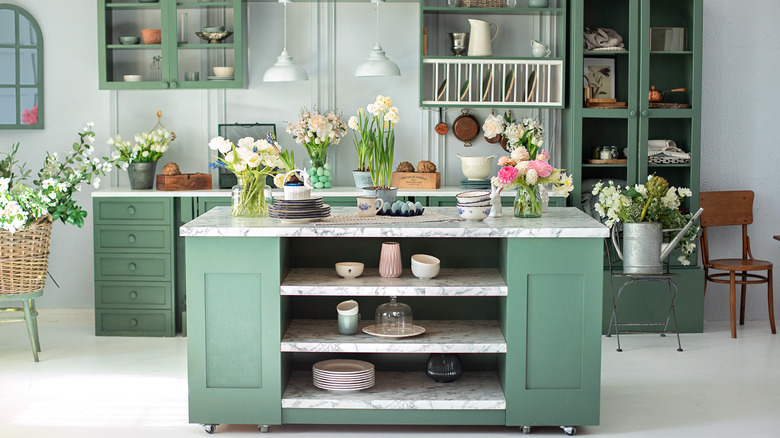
[{"x": 134, "y": 267}]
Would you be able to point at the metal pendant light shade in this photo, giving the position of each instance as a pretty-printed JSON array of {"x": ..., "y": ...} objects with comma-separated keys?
[
  {"x": 377, "y": 64},
  {"x": 285, "y": 69}
]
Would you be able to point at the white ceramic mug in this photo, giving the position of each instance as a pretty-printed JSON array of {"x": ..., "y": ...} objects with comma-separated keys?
[
  {"x": 539, "y": 49},
  {"x": 369, "y": 205},
  {"x": 346, "y": 308}
]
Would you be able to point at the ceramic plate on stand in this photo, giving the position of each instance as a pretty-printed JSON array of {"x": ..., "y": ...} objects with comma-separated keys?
[{"x": 375, "y": 330}]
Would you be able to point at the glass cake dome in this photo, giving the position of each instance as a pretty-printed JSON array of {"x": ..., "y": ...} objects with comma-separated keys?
[{"x": 394, "y": 318}]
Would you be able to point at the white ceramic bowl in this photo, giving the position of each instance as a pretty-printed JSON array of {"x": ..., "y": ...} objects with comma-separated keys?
[
  {"x": 347, "y": 308},
  {"x": 473, "y": 195},
  {"x": 475, "y": 204},
  {"x": 223, "y": 71},
  {"x": 473, "y": 201},
  {"x": 349, "y": 269},
  {"x": 425, "y": 266},
  {"x": 476, "y": 168},
  {"x": 474, "y": 213},
  {"x": 133, "y": 78}
]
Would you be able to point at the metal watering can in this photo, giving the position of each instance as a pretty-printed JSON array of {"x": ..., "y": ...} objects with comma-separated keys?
[{"x": 643, "y": 246}]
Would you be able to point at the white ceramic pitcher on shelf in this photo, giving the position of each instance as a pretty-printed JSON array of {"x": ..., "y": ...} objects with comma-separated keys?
[{"x": 480, "y": 39}]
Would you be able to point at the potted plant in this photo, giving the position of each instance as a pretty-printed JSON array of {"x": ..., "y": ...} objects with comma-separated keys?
[
  {"x": 143, "y": 155},
  {"x": 381, "y": 133},
  {"x": 644, "y": 210},
  {"x": 27, "y": 210},
  {"x": 316, "y": 132},
  {"x": 361, "y": 130}
]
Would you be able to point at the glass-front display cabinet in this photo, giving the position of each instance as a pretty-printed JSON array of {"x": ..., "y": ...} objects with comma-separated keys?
[{"x": 147, "y": 44}]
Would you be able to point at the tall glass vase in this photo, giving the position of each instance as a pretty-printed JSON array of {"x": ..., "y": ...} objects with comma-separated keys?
[
  {"x": 320, "y": 170},
  {"x": 249, "y": 198},
  {"x": 528, "y": 201}
]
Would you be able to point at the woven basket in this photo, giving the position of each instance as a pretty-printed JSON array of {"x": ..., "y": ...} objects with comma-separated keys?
[
  {"x": 482, "y": 3},
  {"x": 24, "y": 258},
  {"x": 295, "y": 192}
]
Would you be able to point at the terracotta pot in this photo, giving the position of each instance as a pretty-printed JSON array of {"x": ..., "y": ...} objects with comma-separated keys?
[{"x": 151, "y": 36}]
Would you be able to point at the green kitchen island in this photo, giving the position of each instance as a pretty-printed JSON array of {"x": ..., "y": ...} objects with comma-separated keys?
[{"x": 518, "y": 299}]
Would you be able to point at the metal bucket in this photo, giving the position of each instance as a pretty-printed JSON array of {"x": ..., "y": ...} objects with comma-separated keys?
[{"x": 641, "y": 252}]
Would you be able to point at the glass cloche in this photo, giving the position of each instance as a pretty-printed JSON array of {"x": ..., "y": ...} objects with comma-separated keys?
[{"x": 394, "y": 318}]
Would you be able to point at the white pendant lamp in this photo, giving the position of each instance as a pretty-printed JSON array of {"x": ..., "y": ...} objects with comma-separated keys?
[
  {"x": 285, "y": 69},
  {"x": 377, "y": 63}
]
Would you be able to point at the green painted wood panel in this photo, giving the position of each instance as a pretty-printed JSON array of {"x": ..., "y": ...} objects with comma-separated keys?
[
  {"x": 118, "y": 322},
  {"x": 136, "y": 211},
  {"x": 133, "y": 239},
  {"x": 144, "y": 267},
  {"x": 233, "y": 309},
  {"x": 133, "y": 295},
  {"x": 206, "y": 204}
]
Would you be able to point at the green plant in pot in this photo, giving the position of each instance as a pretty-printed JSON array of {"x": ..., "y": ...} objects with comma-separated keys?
[
  {"x": 362, "y": 127},
  {"x": 143, "y": 155},
  {"x": 383, "y": 117}
]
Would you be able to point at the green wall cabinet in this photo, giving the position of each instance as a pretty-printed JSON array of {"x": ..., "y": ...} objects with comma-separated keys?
[
  {"x": 180, "y": 53},
  {"x": 134, "y": 266}
]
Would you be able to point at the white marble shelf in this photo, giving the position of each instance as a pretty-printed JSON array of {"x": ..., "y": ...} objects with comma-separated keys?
[
  {"x": 400, "y": 390},
  {"x": 441, "y": 336},
  {"x": 450, "y": 282}
]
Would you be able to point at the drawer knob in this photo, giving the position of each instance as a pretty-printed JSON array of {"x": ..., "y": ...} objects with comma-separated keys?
[
  {"x": 133, "y": 295},
  {"x": 131, "y": 266},
  {"x": 131, "y": 209},
  {"x": 131, "y": 238},
  {"x": 133, "y": 322}
]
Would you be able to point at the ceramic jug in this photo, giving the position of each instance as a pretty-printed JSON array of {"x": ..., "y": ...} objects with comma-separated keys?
[{"x": 480, "y": 38}]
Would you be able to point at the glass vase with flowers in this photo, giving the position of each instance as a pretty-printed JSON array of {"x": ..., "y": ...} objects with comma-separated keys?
[{"x": 316, "y": 132}]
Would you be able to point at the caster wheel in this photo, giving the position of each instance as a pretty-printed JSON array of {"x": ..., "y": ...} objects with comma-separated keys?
[
  {"x": 526, "y": 429},
  {"x": 569, "y": 430},
  {"x": 263, "y": 428},
  {"x": 209, "y": 428}
]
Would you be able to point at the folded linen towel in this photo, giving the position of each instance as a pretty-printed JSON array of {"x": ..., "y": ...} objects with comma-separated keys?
[
  {"x": 602, "y": 37},
  {"x": 666, "y": 149}
]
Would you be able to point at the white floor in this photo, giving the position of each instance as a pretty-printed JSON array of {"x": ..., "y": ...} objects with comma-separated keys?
[{"x": 87, "y": 386}]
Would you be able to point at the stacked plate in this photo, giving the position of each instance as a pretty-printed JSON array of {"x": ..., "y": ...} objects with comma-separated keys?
[
  {"x": 343, "y": 375},
  {"x": 475, "y": 184},
  {"x": 299, "y": 210}
]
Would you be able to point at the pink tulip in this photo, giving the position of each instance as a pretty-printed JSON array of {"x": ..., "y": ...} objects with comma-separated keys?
[
  {"x": 507, "y": 174},
  {"x": 542, "y": 168}
]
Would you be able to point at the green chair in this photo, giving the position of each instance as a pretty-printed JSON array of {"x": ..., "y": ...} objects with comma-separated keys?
[{"x": 30, "y": 315}]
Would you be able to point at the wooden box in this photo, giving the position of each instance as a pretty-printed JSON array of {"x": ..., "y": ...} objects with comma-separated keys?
[
  {"x": 416, "y": 180},
  {"x": 188, "y": 181}
]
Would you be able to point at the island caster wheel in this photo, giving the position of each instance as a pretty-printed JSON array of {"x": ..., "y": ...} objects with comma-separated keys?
[
  {"x": 569, "y": 430},
  {"x": 263, "y": 428},
  {"x": 209, "y": 428},
  {"x": 525, "y": 429}
]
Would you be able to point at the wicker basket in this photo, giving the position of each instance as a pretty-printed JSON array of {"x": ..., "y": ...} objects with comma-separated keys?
[
  {"x": 295, "y": 192},
  {"x": 482, "y": 3},
  {"x": 24, "y": 258}
]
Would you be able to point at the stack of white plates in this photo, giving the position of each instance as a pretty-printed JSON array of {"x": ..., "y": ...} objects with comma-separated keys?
[
  {"x": 299, "y": 210},
  {"x": 343, "y": 375}
]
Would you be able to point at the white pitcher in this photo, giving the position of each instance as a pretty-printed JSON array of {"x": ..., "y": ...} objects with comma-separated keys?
[{"x": 480, "y": 39}]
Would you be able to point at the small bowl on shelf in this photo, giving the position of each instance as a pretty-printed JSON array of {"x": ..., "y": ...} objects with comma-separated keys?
[
  {"x": 213, "y": 29},
  {"x": 151, "y": 36},
  {"x": 133, "y": 78},
  {"x": 222, "y": 71},
  {"x": 474, "y": 213},
  {"x": 425, "y": 266},
  {"x": 214, "y": 37},
  {"x": 129, "y": 40},
  {"x": 349, "y": 269}
]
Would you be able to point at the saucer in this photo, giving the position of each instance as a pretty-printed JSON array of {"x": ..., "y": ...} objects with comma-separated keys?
[{"x": 221, "y": 78}]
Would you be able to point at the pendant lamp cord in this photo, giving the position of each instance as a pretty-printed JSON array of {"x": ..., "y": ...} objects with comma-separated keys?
[
  {"x": 285, "y": 26},
  {"x": 377, "y": 24}
]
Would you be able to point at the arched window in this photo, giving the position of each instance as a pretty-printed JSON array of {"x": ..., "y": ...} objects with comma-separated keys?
[{"x": 21, "y": 69}]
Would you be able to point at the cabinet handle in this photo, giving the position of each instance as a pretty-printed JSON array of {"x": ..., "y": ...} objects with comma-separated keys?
[
  {"x": 174, "y": 84},
  {"x": 131, "y": 238},
  {"x": 133, "y": 322},
  {"x": 131, "y": 210},
  {"x": 632, "y": 113},
  {"x": 131, "y": 266},
  {"x": 133, "y": 295},
  {"x": 166, "y": 85},
  {"x": 645, "y": 113}
]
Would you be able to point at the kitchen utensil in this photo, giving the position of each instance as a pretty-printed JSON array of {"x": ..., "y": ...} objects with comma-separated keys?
[
  {"x": 425, "y": 266},
  {"x": 476, "y": 168},
  {"x": 214, "y": 37},
  {"x": 349, "y": 270},
  {"x": 441, "y": 127},
  {"x": 480, "y": 38},
  {"x": 465, "y": 127},
  {"x": 129, "y": 40},
  {"x": 657, "y": 96},
  {"x": 458, "y": 42}
]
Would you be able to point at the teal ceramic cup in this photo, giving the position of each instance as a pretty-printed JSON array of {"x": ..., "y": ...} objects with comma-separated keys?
[{"x": 348, "y": 324}]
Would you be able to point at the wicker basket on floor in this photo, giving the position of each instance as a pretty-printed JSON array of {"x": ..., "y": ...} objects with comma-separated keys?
[
  {"x": 482, "y": 3},
  {"x": 24, "y": 258}
]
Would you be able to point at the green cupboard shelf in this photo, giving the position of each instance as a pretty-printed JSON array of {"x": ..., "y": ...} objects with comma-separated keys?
[{"x": 166, "y": 65}]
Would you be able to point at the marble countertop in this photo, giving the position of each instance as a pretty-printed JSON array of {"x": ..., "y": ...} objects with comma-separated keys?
[
  {"x": 400, "y": 390},
  {"x": 565, "y": 222},
  {"x": 344, "y": 191}
]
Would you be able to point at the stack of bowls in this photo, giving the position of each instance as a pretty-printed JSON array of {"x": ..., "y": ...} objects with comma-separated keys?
[{"x": 474, "y": 205}]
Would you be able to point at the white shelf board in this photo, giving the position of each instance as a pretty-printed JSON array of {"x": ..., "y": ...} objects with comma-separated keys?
[{"x": 450, "y": 336}]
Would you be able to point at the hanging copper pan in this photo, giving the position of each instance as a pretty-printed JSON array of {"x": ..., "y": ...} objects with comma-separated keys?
[{"x": 465, "y": 127}]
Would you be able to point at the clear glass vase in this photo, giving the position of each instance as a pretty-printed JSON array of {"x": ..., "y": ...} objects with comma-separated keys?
[
  {"x": 249, "y": 198},
  {"x": 528, "y": 201}
]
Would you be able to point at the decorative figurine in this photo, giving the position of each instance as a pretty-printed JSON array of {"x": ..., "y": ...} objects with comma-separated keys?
[{"x": 495, "y": 201}]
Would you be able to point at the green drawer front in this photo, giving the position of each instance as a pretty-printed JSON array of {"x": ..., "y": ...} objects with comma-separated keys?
[
  {"x": 133, "y": 210},
  {"x": 148, "y": 267},
  {"x": 133, "y": 322},
  {"x": 133, "y": 295},
  {"x": 206, "y": 204},
  {"x": 146, "y": 239}
]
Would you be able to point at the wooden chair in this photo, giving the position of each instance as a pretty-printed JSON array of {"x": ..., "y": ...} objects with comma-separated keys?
[
  {"x": 30, "y": 316},
  {"x": 733, "y": 208}
]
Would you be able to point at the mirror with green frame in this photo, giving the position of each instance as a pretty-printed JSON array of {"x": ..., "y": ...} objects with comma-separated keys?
[{"x": 21, "y": 69}]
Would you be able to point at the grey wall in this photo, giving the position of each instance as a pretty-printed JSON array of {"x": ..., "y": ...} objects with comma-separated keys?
[{"x": 741, "y": 56}]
